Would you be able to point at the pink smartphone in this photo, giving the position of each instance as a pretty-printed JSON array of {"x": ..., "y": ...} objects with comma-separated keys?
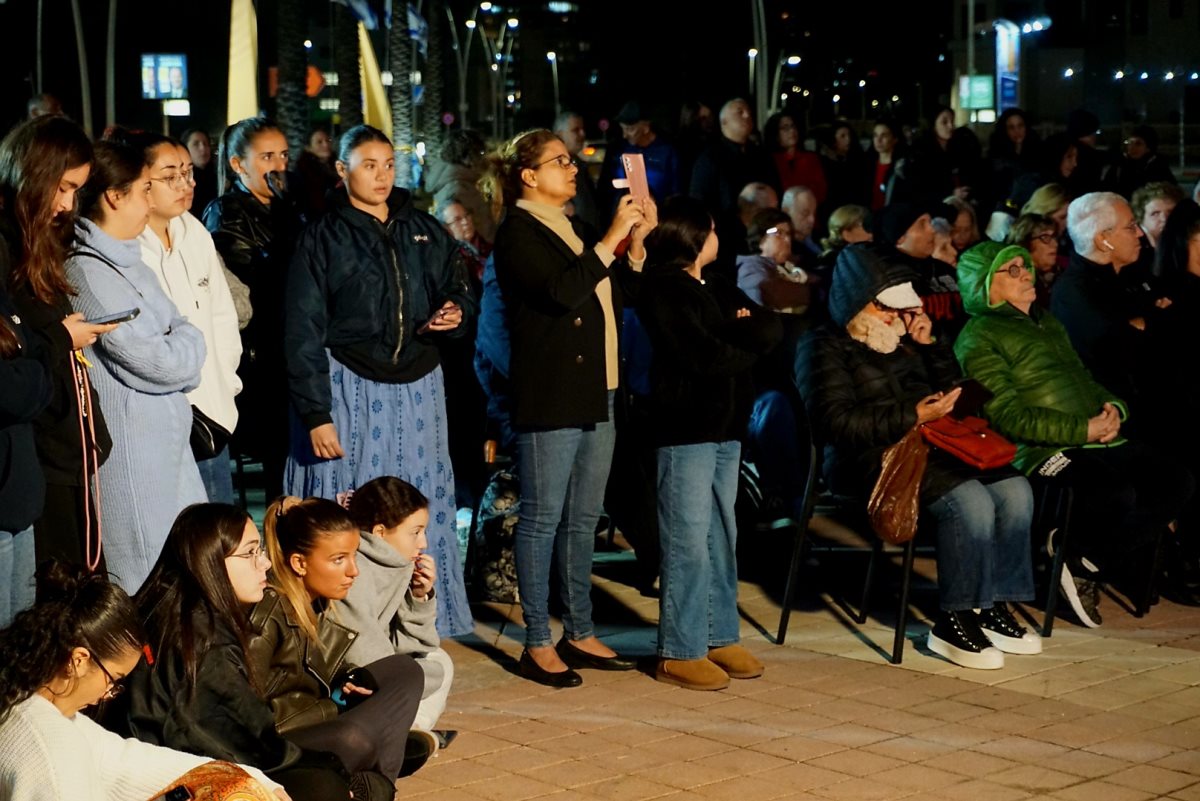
[{"x": 635, "y": 173}]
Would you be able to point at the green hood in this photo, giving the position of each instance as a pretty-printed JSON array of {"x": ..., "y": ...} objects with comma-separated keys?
[{"x": 975, "y": 269}]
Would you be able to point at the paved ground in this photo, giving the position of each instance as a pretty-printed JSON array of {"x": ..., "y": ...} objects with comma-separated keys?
[{"x": 1111, "y": 714}]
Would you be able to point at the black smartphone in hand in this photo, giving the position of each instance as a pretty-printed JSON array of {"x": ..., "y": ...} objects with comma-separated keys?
[
  {"x": 119, "y": 317},
  {"x": 970, "y": 402}
]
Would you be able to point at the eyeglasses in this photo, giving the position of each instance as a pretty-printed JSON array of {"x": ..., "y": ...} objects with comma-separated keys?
[
  {"x": 774, "y": 231},
  {"x": 563, "y": 161},
  {"x": 1014, "y": 269},
  {"x": 252, "y": 554},
  {"x": 1047, "y": 238},
  {"x": 114, "y": 688},
  {"x": 177, "y": 181},
  {"x": 884, "y": 308}
]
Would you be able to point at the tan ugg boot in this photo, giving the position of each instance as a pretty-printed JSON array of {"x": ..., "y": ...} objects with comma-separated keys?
[
  {"x": 736, "y": 661},
  {"x": 691, "y": 674}
]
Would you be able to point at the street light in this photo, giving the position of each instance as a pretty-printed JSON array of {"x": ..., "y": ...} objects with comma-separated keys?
[
  {"x": 552, "y": 57},
  {"x": 752, "y": 54},
  {"x": 791, "y": 61},
  {"x": 462, "y": 55}
]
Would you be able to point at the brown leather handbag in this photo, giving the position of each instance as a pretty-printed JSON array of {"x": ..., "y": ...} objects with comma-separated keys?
[
  {"x": 895, "y": 501},
  {"x": 969, "y": 440}
]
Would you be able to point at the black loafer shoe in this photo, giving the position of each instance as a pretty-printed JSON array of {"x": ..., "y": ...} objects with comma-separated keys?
[
  {"x": 534, "y": 672},
  {"x": 578, "y": 658}
]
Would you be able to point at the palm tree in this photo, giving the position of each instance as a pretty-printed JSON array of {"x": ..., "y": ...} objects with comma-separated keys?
[
  {"x": 291, "y": 101},
  {"x": 346, "y": 64},
  {"x": 84, "y": 84},
  {"x": 431, "y": 114},
  {"x": 400, "y": 62}
]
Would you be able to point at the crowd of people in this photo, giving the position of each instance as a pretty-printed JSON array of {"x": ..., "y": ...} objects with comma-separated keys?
[{"x": 168, "y": 306}]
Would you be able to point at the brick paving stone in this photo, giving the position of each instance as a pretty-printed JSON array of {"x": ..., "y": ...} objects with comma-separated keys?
[
  {"x": 1156, "y": 780},
  {"x": 859, "y": 789},
  {"x": 1101, "y": 791},
  {"x": 857, "y": 763},
  {"x": 1034, "y": 778}
]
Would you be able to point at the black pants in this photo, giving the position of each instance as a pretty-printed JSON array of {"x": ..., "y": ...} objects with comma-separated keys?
[
  {"x": 59, "y": 532},
  {"x": 1124, "y": 497},
  {"x": 372, "y": 735},
  {"x": 313, "y": 784}
]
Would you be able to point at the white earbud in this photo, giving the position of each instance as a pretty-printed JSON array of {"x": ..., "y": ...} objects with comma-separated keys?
[{"x": 1108, "y": 244}]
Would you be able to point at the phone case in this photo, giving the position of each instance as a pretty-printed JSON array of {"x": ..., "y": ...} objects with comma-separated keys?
[{"x": 635, "y": 173}]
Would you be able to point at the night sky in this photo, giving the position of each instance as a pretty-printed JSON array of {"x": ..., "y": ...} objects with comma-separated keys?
[{"x": 658, "y": 52}]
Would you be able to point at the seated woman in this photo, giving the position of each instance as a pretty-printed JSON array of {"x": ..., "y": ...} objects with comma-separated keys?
[
  {"x": 1038, "y": 234},
  {"x": 1067, "y": 427},
  {"x": 389, "y": 603},
  {"x": 199, "y": 695},
  {"x": 72, "y": 650},
  {"x": 298, "y": 651},
  {"x": 768, "y": 276},
  {"x": 868, "y": 377}
]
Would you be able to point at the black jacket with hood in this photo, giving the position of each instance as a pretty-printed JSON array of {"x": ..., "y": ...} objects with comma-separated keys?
[
  {"x": 363, "y": 288},
  {"x": 861, "y": 401}
]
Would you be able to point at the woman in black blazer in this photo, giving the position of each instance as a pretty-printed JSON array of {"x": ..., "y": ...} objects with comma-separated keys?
[{"x": 564, "y": 289}]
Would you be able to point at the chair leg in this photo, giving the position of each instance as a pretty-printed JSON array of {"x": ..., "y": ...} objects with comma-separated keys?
[
  {"x": 1147, "y": 595},
  {"x": 789, "y": 588},
  {"x": 1064, "y": 521},
  {"x": 902, "y": 610},
  {"x": 864, "y": 603}
]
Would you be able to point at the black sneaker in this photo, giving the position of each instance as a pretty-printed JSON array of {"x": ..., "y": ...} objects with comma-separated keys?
[
  {"x": 421, "y": 745},
  {"x": 1006, "y": 633},
  {"x": 367, "y": 785},
  {"x": 957, "y": 637}
]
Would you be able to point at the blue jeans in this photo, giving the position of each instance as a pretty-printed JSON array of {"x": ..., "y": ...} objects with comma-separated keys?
[
  {"x": 563, "y": 473},
  {"x": 697, "y": 488},
  {"x": 17, "y": 566},
  {"x": 983, "y": 553},
  {"x": 217, "y": 477}
]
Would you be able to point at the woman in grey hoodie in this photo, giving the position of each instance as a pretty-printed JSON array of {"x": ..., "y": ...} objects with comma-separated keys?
[{"x": 390, "y": 604}]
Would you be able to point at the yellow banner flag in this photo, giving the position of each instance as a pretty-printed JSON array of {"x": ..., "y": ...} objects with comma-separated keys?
[
  {"x": 377, "y": 112},
  {"x": 243, "y": 62}
]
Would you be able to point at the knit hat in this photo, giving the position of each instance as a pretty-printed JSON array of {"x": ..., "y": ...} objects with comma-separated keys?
[
  {"x": 631, "y": 113},
  {"x": 893, "y": 221}
]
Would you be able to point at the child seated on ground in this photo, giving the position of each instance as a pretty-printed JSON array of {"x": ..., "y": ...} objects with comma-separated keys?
[{"x": 391, "y": 604}]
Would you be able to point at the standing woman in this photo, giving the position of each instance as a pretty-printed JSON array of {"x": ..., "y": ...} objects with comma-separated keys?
[
  {"x": 374, "y": 284},
  {"x": 43, "y": 163},
  {"x": 198, "y": 695},
  {"x": 885, "y": 166},
  {"x": 564, "y": 289},
  {"x": 180, "y": 252},
  {"x": 706, "y": 336},
  {"x": 254, "y": 226},
  {"x": 72, "y": 651},
  {"x": 795, "y": 165},
  {"x": 142, "y": 369},
  {"x": 199, "y": 147}
]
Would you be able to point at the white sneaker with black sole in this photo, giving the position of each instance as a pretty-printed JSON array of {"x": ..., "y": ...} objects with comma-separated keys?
[
  {"x": 1081, "y": 592},
  {"x": 957, "y": 637},
  {"x": 1006, "y": 633}
]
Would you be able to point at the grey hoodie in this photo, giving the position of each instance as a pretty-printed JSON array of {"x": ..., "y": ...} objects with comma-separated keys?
[{"x": 381, "y": 608}]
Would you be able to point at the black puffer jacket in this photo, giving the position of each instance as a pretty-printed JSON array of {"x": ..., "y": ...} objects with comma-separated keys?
[
  {"x": 703, "y": 354},
  {"x": 861, "y": 401},
  {"x": 363, "y": 288}
]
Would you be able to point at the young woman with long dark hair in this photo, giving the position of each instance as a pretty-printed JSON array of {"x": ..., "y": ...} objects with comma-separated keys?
[
  {"x": 43, "y": 163},
  {"x": 199, "y": 694}
]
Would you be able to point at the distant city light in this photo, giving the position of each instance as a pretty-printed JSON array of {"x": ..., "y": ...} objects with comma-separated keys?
[
  {"x": 752, "y": 52},
  {"x": 1194, "y": 75},
  {"x": 895, "y": 98},
  {"x": 513, "y": 22},
  {"x": 1119, "y": 74},
  {"x": 485, "y": 6},
  {"x": 861, "y": 84},
  {"x": 795, "y": 89},
  {"x": 1068, "y": 72},
  {"x": 874, "y": 104},
  {"x": 837, "y": 98},
  {"x": 471, "y": 24},
  {"x": 308, "y": 44},
  {"x": 551, "y": 56},
  {"x": 806, "y": 93},
  {"x": 1170, "y": 76},
  {"x": 793, "y": 60},
  {"x": 1144, "y": 75}
]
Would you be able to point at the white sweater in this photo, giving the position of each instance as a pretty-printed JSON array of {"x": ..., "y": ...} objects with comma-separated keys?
[
  {"x": 47, "y": 756},
  {"x": 191, "y": 274}
]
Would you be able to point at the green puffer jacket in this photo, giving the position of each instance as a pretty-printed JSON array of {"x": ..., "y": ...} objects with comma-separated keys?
[{"x": 1043, "y": 395}]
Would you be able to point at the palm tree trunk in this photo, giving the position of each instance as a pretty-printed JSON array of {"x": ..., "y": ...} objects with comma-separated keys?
[
  {"x": 110, "y": 68},
  {"x": 434, "y": 77},
  {"x": 85, "y": 84},
  {"x": 291, "y": 102},
  {"x": 400, "y": 62},
  {"x": 345, "y": 63}
]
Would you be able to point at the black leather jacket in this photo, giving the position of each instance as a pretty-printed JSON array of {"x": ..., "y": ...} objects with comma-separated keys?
[
  {"x": 296, "y": 675},
  {"x": 256, "y": 240}
]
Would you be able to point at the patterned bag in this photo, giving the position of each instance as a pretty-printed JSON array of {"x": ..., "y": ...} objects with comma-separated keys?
[{"x": 216, "y": 781}]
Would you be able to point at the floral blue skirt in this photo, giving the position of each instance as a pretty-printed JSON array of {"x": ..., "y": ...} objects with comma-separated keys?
[{"x": 391, "y": 430}]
